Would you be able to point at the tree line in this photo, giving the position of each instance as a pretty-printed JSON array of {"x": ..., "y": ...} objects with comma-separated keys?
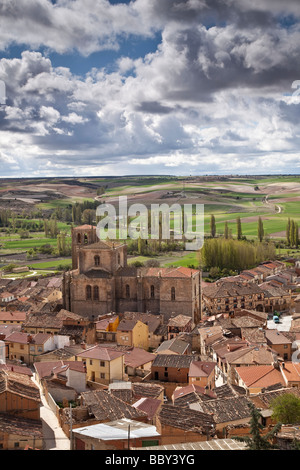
[{"x": 233, "y": 254}]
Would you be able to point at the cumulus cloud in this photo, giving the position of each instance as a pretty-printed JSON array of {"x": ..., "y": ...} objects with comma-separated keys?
[{"x": 211, "y": 98}]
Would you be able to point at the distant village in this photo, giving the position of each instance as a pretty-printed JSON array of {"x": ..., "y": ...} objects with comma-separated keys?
[{"x": 125, "y": 357}]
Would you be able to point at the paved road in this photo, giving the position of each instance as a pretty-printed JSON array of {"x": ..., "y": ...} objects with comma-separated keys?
[
  {"x": 54, "y": 437},
  {"x": 284, "y": 325}
]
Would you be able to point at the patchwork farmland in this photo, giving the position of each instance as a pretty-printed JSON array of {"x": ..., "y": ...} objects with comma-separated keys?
[{"x": 30, "y": 202}]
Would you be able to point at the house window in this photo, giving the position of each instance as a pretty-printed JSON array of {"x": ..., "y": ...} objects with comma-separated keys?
[
  {"x": 102, "y": 363},
  {"x": 96, "y": 293},
  {"x": 91, "y": 362},
  {"x": 173, "y": 293},
  {"x": 152, "y": 292},
  {"x": 88, "y": 291},
  {"x": 127, "y": 289},
  {"x": 78, "y": 238},
  {"x": 97, "y": 260},
  {"x": 102, "y": 375}
]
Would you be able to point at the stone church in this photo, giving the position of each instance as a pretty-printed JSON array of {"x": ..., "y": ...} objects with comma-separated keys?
[{"x": 101, "y": 282}]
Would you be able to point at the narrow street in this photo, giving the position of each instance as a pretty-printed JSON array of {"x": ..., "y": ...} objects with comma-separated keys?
[{"x": 54, "y": 437}]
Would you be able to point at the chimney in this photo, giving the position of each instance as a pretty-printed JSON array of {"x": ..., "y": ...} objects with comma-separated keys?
[{"x": 83, "y": 345}]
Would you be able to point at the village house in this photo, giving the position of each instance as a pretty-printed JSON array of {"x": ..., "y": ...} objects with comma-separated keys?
[
  {"x": 19, "y": 396},
  {"x": 103, "y": 365},
  {"x": 226, "y": 411},
  {"x": 71, "y": 373},
  {"x": 99, "y": 406},
  {"x": 279, "y": 343},
  {"x": 12, "y": 317},
  {"x": 174, "y": 346},
  {"x": 250, "y": 356},
  {"x": 179, "y": 324},
  {"x": 62, "y": 323},
  {"x": 172, "y": 367},
  {"x": 255, "y": 379},
  {"x": 133, "y": 333},
  {"x": 106, "y": 328},
  {"x": 180, "y": 424},
  {"x": 117, "y": 435},
  {"x": 27, "y": 348},
  {"x": 227, "y": 297},
  {"x": 220, "y": 348},
  {"x": 208, "y": 336},
  {"x": 20, "y": 433},
  {"x": 150, "y": 406},
  {"x": 157, "y": 329},
  {"x": 291, "y": 373},
  {"x": 202, "y": 374},
  {"x": 138, "y": 362},
  {"x": 103, "y": 406},
  {"x": 131, "y": 392},
  {"x": 277, "y": 298},
  {"x": 6, "y": 297},
  {"x": 184, "y": 396}
]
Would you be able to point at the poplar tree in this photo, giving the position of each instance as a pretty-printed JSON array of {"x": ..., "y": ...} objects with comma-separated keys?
[
  {"x": 226, "y": 231},
  {"x": 260, "y": 230},
  {"x": 239, "y": 228},
  {"x": 288, "y": 234},
  {"x": 212, "y": 226}
]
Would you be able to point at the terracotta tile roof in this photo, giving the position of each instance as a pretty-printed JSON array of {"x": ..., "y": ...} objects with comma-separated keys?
[
  {"x": 15, "y": 315},
  {"x": 275, "y": 337},
  {"x": 137, "y": 357},
  {"x": 6, "y": 295},
  {"x": 44, "y": 369},
  {"x": 18, "y": 337},
  {"x": 20, "y": 426},
  {"x": 227, "y": 410},
  {"x": 104, "y": 354},
  {"x": 17, "y": 369},
  {"x": 169, "y": 272},
  {"x": 252, "y": 355},
  {"x": 19, "y": 384},
  {"x": 229, "y": 390},
  {"x": 260, "y": 376},
  {"x": 102, "y": 325},
  {"x": 127, "y": 325},
  {"x": 184, "y": 396},
  {"x": 150, "y": 406},
  {"x": 153, "y": 321},
  {"x": 150, "y": 390},
  {"x": 187, "y": 419},
  {"x": 6, "y": 330},
  {"x": 179, "y": 321},
  {"x": 106, "y": 407},
  {"x": 201, "y": 369},
  {"x": 223, "y": 289},
  {"x": 291, "y": 371}
]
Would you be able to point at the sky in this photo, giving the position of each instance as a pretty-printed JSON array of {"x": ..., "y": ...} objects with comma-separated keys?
[{"x": 149, "y": 87}]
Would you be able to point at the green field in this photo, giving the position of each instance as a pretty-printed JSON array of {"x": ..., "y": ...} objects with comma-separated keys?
[
  {"x": 225, "y": 197},
  {"x": 51, "y": 264}
]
